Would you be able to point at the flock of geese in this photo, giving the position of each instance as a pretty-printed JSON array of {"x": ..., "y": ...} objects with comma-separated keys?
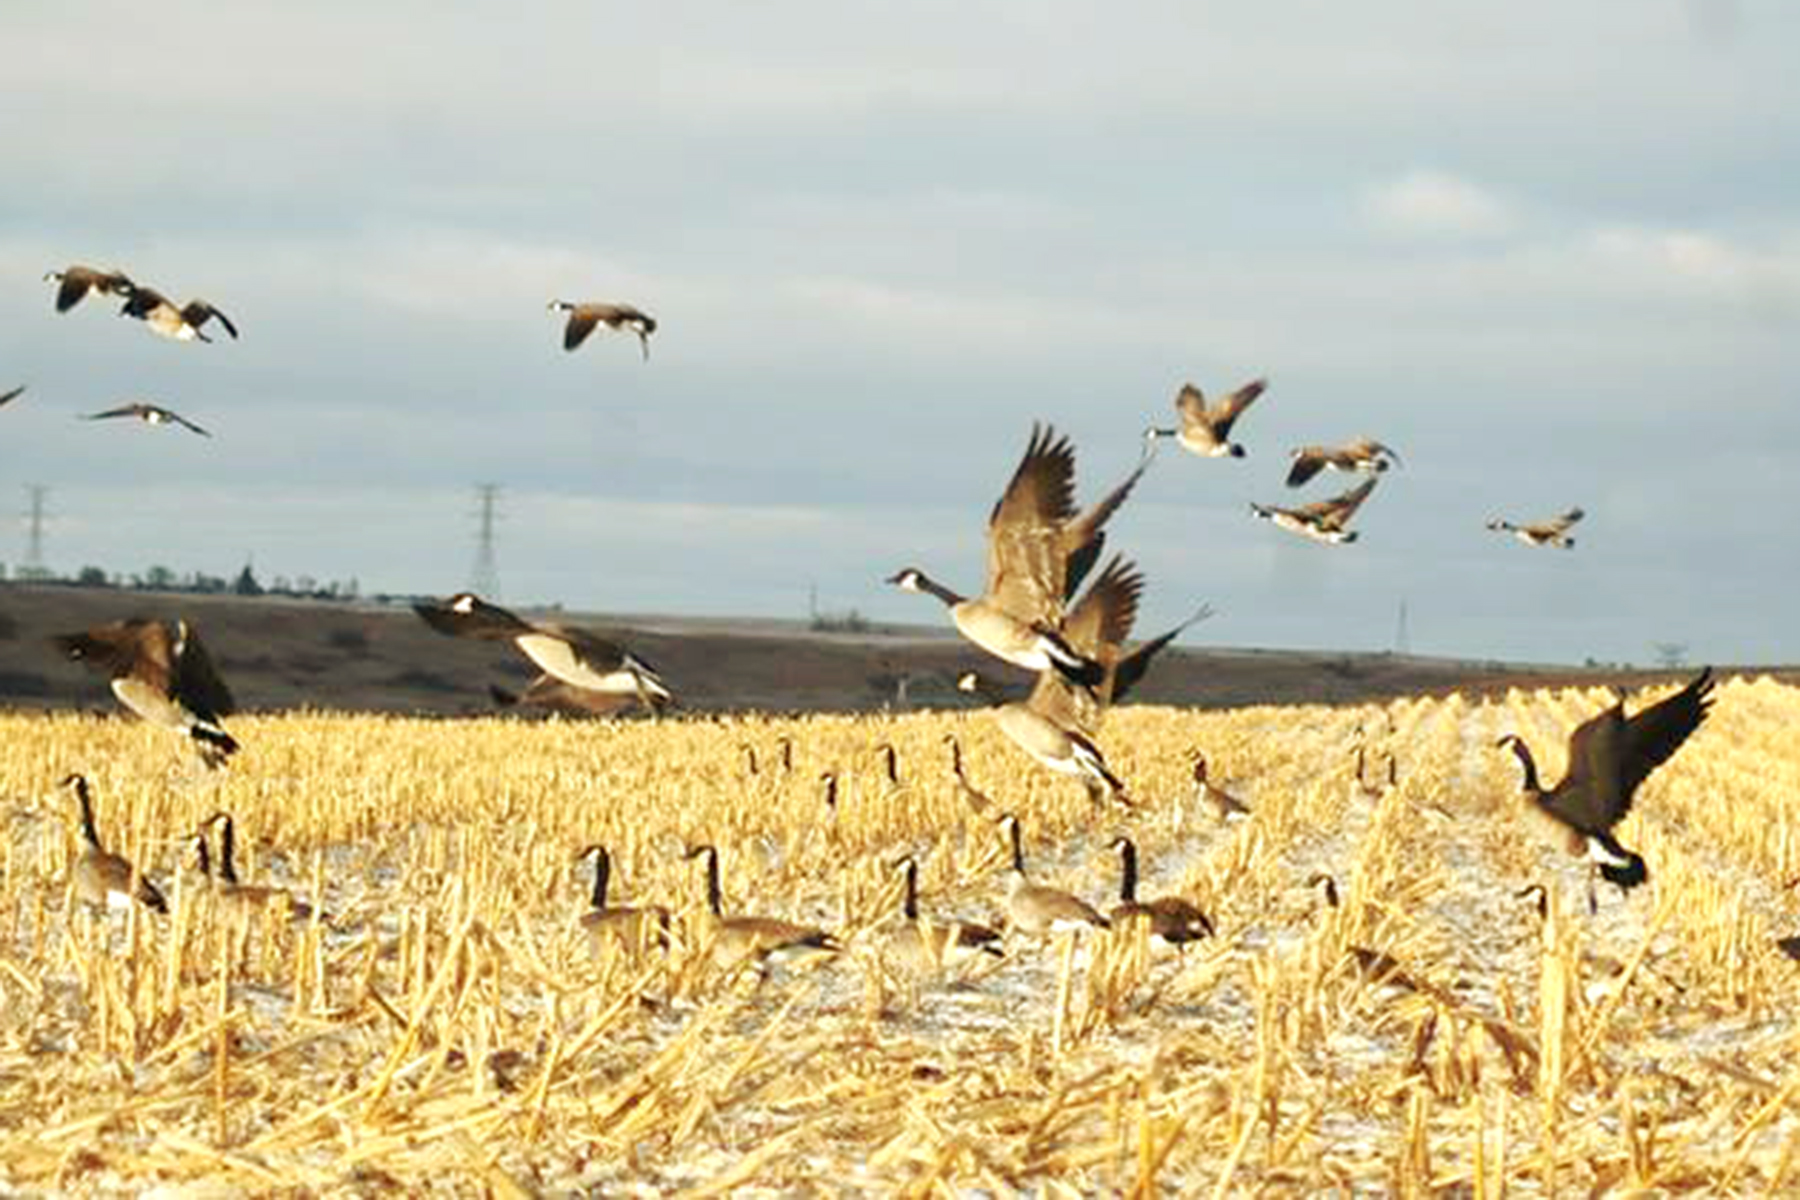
[{"x": 1032, "y": 612}]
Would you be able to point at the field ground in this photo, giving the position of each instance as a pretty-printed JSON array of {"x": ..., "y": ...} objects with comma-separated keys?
[{"x": 452, "y": 1030}]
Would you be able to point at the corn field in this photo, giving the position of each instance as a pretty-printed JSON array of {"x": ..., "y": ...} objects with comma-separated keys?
[{"x": 444, "y": 1022}]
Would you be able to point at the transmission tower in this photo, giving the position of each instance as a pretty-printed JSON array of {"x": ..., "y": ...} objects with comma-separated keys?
[
  {"x": 484, "y": 576},
  {"x": 35, "y": 515},
  {"x": 1402, "y": 637}
]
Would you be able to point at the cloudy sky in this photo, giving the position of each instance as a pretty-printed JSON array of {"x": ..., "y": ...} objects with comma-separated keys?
[{"x": 1550, "y": 252}]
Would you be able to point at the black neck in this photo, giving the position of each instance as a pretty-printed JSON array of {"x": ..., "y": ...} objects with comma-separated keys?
[
  {"x": 933, "y": 587},
  {"x": 204, "y": 852},
  {"x": 830, "y": 782},
  {"x": 911, "y": 904},
  {"x": 749, "y": 757},
  {"x": 787, "y": 754},
  {"x": 1523, "y": 752},
  {"x": 1128, "y": 871},
  {"x": 602, "y": 874},
  {"x": 1200, "y": 771},
  {"x": 227, "y": 851},
  {"x": 892, "y": 759},
  {"x": 715, "y": 898},
  {"x": 1018, "y": 846},
  {"x": 88, "y": 831}
]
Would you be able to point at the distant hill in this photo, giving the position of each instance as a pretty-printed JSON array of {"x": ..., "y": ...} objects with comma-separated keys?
[{"x": 281, "y": 653}]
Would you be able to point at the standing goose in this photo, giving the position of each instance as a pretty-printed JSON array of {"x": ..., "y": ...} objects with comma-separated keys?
[
  {"x": 226, "y": 884},
  {"x": 766, "y": 939},
  {"x": 1035, "y": 909},
  {"x": 162, "y": 673},
  {"x": 7, "y": 398},
  {"x": 583, "y": 318},
  {"x": 1364, "y": 456},
  {"x": 77, "y": 281},
  {"x": 1173, "y": 921},
  {"x": 1554, "y": 532},
  {"x": 1609, "y": 756},
  {"x": 102, "y": 878},
  {"x": 571, "y": 655},
  {"x": 149, "y": 414},
  {"x": 629, "y": 926},
  {"x": 183, "y": 324},
  {"x": 1039, "y": 550},
  {"x": 924, "y": 946},
  {"x": 1224, "y": 805},
  {"x": 1324, "y": 520},
  {"x": 1206, "y": 429},
  {"x": 973, "y": 798}
]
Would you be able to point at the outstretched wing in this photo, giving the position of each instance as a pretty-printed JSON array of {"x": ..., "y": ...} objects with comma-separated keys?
[
  {"x": 184, "y": 422},
  {"x": 1232, "y": 407},
  {"x": 1130, "y": 669},
  {"x": 1337, "y": 511},
  {"x": 197, "y": 683},
  {"x": 8, "y": 397},
  {"x": 1654, "y": 734},
  {"x": 1025, "y": 557},
  {"x": 1082, "y": 540},
  {"x": 1308, "y": 462},
  {"x": 581, "y": 323}
]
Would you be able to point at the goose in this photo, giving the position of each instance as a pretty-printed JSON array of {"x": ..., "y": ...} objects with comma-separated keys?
[
  {"x": 150, "y": 414},
  {"x": 1364, "y": 456},
  {"x": 766, "y": 939},
  {"x": 890, "y": 766},
  {"x": 747, "y": 752},
  {"x": 7, "y": 398},
  {"x": 1789, "y": 946},
  {"x": 1609, "y": 756},
  {"x": 584, "y": 317},
  {"x": 77, "y": 281},
  {"x": 226, "y": 884},
  {"x": 1377, "y": 788},
  {"x": 1053, "y": 745},
  {"x": 184, "y": 323},
  {"x": 1539, "y": 895},
  {"x": 630, "y": 926},
  {"x": 1327, "y": 883},
  {"x": 162, "y": 673},
  {"x": 1039, "y": 551},
  {"x": 972, "y": 797},
  {"x": 1035, "y": 909},
  {"x": 1324, "y": 520},
  {"x": 571, "y": 655},
  {"x": 1554, "y": 532},
  {"x": 1206, "y": 429},
  {"x": 548, "y": 696},
  {"x": 924, "y": 946},
  {"x": 1224, "y": 805},
  {"x": 1173, "y": 921},
  {"x": 102, "y": 878}
]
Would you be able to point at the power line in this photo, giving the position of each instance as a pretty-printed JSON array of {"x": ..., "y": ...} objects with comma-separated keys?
[{"x": 484, "y": 576}]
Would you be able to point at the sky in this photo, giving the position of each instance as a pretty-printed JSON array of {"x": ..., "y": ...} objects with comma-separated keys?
[{"x": 1549, "y": 252}]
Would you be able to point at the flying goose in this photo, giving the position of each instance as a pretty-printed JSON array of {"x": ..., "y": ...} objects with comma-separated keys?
[
  {"x": 1055, "y": 746},
  {"x": 1609, "y": 756},
  {"x": 1554, "y": 532},
  {"x": 766, "y": 939},
  {"x": 1364, "y": 456},
  {"x": 77, "y": 281},
  {"x": 7, "y": 398},
  {"x": 1035, "y": 909},
  {"x": 1224, "y": 805},
  {"x": 226, "y": 884},
  {"x": 183, "y": 323},
  {"x": 101, "y": 877},
  {"x": 925, "y": 946},
  {"x": 1324, "y": 520},
  {"x": 584, "y": 317},
  {"x": 571, "y": 655},
  {"x": 630, "y": 926},
  {"x": 1206, "y": 429},
  {"x": 162, "y": 673},
  {"x": 1039, "y": 551},
  {"x": 150, "y": 414},
  {"x": 1173, "y": 921}
]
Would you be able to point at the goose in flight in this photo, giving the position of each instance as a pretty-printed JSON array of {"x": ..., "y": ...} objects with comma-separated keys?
[
  {"x": 1205, "y": 429},
  {"x": 1554, "y": 532},
  {"x": 1364, "y": 456},
  {"x": 1610, "y": 754},
  {"x": 150, "y": 414},
  {"x": 1324, "y": 520},
  {"x": 1039, "y": 550},
  {"x": 76, "y": 281},
  {"x": 574, "y": 656},
  {"x": 184, "y": 323},
  {"x": 7, "y": 398},
  {"x": 161, "y": 672},
  {"x": 583, "y": 318}
]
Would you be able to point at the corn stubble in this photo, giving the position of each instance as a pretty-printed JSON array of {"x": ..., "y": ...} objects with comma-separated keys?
[{"x": 446, "y": 1023}]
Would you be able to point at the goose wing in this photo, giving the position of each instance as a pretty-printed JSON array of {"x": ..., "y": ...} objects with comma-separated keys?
[
  {"x": 1308, "y": 461},
  {"x": 470, "y": 616},
  {"x": 1082, "y": 539},
  {"x": 1026, "y": 563},
  {"x": 197, "y": 683},
  {"x": 8, "y": 397},
  {"x": 1227, "y": 411},
  {"x": 1130, "y": 669},
  {"x": 1652, "y": 735},
  {"x": 1096, "y": 628},
  {"x": 120, "y": 648},
  {"x": 199, "y": 312},
  {"x": 1369, "y": 448},
  {"x": 582, "y": 319},
  {"x": 1337, "y": 511},
  {"x": 123, "y": 410}
]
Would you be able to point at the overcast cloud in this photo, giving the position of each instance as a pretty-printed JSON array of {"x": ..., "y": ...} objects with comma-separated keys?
[{"x": 1551, "y": 253}]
